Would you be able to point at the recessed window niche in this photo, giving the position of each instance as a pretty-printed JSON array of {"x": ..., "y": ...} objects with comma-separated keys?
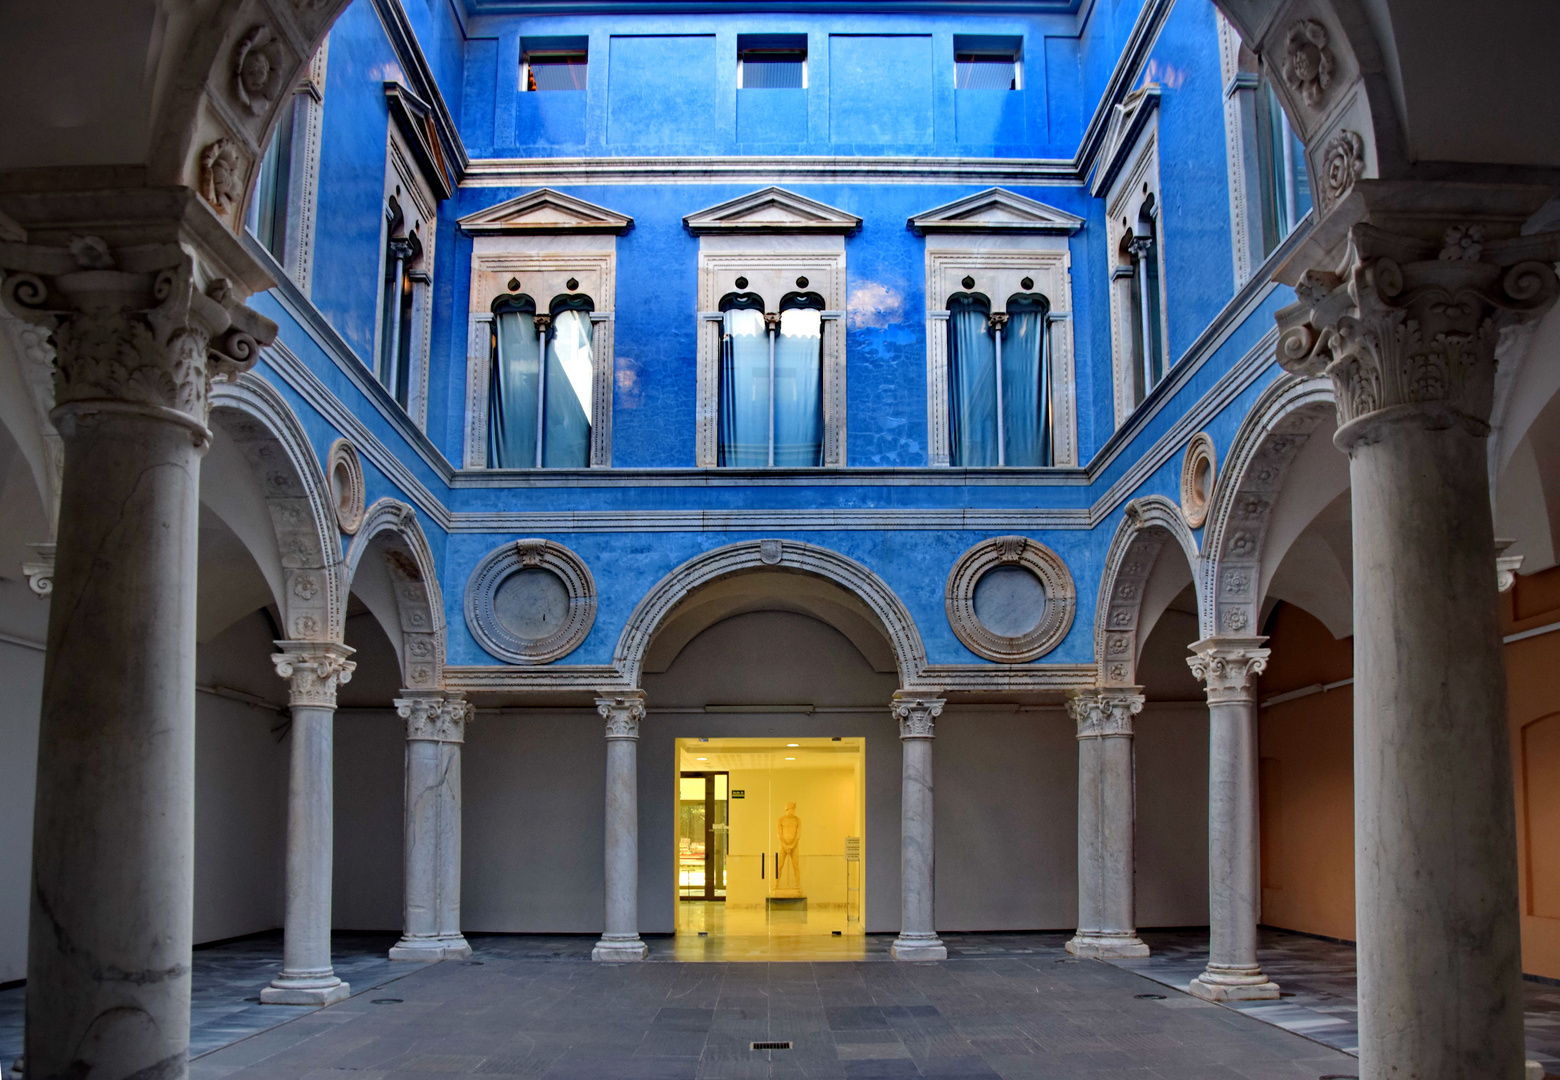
[{"x": 530, "y": 602}]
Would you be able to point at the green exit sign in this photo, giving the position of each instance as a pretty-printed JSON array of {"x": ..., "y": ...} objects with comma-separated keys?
[{"x": 738, "y": 793}]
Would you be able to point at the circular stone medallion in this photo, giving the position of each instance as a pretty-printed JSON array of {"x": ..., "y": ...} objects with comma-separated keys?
[
  {"x": 1010, "y": 599},
  {"x": 530, "y": 602}
]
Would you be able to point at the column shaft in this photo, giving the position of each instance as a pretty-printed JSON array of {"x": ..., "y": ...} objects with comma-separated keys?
[
  {"x": 621, "y": 940},
  {"x": 1106, "y": 813},
  {"x": 307, "y": 976},
  {"x": 108, "y": 959},
  {"x": 1229, "y": 667},
  {"x": 918, "y": 938},
  {"x": 1435, "y": 834},
  {"x": 435, "y": 728}
]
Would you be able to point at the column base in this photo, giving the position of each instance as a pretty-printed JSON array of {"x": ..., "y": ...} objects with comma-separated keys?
[
  {"x": 428, "y": 949},
  {"x": 1107, "y": 946},
  {"x": 619, "y": 949},
  {"x": 306, "y": 989},
  {"x": 918, "y": 947},
  {"x": 1233, "y": 984}
]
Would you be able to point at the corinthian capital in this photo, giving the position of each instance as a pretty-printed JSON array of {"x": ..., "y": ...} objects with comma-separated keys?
[
  {"x": 142, "y": 309},
  {"x": 1228, "y": 667},
  {"x": 1407, "y": 325},
  {"x": 313, "y": 669},
  {"x": 916, "y": 713},
  {"x": 1105, "y": 713},
  {"x": 438, "y": 716},
  {"x": 622, "y": 712}
]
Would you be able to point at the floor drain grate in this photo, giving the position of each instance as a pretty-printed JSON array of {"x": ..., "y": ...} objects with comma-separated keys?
[
  {"x": 385, "y": 1001},
  {"x": 772, "y": 1046},
  {"x": 1150, "y": 997}
]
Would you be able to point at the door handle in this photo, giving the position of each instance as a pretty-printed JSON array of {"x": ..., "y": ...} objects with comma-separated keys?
[{"x": 762, "y": 855}]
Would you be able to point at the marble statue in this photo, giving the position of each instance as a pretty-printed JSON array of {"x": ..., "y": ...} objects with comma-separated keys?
[{"x": 788, "y": 871}]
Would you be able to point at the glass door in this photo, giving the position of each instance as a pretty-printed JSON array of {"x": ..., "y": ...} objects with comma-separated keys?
[{"x": 702, "y": 835}]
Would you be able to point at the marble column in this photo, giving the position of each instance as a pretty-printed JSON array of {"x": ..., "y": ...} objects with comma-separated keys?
[
  {"x": 622, "y": 713},
  {"x": 1106, "y": 820},
  {"x": 1228, "y": 667},
  {"x": 134, "y": 290},
  {"x": 313, "y": 670},
  {"x": 435, "y": 730},
  {"x": 918, "y": 938},
  {"x": 1406, "y": 323}
]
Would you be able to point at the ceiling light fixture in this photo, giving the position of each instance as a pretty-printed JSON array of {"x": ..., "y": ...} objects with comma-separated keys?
[
  {"x": 793, "y": 744},
  {"x": 790, "y": 759}
]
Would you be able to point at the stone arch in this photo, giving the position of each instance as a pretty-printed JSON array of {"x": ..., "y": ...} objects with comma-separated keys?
[
  {"x": 1147, "y": 525},
  {"x": 305, "y": 574},
  {"x": 771, "y": 555},
  {"x": 391, "y": 568},
  {"x": 1259, "y": 460}
]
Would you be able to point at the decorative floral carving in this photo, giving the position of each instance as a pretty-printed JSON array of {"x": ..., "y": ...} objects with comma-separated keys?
[
  {"x": 622, "y": 712},
  {"x": 257, "y": 69},
  {"x": 314, "y": 670},
  {"x": 1236, "y": 620},
  {"x": 222, "y": 175},
  {"x": 1228, "y": 667},
  {"x": 1308, "y": 62},
  {"x": 1104, "y": 714},
  {"x": 916, "y": 714},
  {"x": 1343, "y": 163},
  {"x": 1413, "y": 322},
  {"x": 435, "y": 718}
]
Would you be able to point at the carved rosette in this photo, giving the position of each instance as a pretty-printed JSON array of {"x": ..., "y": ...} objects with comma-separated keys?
[
  {"x": 1228, "y": 667},
  {"x": 1105, "y": 714},
  {"x": 622, "y": 712},
  {"x": 435, "y": 717},
  {"x": 141, "y": 329},
  {"x": 1408, "y": 327},
  {"x": 1343, "y": 163},
  {"x": 313, "y": 669},
  {"x": 916, "y": 714}
]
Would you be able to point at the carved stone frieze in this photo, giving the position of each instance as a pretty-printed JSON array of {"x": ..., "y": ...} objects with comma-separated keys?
[
  {"x": 622, "y": 713},
  {"x": 258, "y": 61},
  {"x": 1228, "y": 666},
  {"x": 313, "y": 669},
  {"x": 1409, "y": 325},
  {"x": 916, "y": 714},
  {"x": 1308, "y": 62},
  {"x": 132, "y": 328},
  {"x": 222, "y": 169},
  {"x": 1102, "y": 714},
  {"x": 435, "y": 717},
  {"x": 1343, "y": 163}
]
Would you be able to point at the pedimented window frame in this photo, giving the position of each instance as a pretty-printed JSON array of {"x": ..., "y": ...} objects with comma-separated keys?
[
  {"x": 999, "y": 238},
  {"x": 771, "y": 237},
  {"x": 543, "y": 239}
]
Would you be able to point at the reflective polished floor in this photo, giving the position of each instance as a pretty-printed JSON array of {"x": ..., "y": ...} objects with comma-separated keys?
[{"x": 715, "y": 931}]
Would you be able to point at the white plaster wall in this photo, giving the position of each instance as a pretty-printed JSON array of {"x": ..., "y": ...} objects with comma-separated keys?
[
  {"x": 1171, "y": 748},
  {"x": 240, "y": 784},
  {"x": 21, "y": 674},
  {"x": 1007, "y": 820},
  {"x": 370, "y": 752}
]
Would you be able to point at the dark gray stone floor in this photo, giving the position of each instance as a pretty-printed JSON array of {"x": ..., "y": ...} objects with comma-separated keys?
[{"x": 1036, "y": 1016}]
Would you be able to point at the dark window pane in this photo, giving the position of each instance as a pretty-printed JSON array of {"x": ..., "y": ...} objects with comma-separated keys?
[
  {"x": 975, "y": 72},
  {"x": 773, "y": 71},
  {"x": 566, "y": 72}
]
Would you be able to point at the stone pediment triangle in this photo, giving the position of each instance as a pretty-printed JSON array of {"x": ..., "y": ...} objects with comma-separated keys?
[
  {"x": 996, "y": 210},
  {"x": 772, "y": 209},
  {"x": 546, "y": 211}
]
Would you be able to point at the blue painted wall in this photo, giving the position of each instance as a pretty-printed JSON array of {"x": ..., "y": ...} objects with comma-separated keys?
[{"x": 877, "y": 85}]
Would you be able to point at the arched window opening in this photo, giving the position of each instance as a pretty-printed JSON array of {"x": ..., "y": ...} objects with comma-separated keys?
[
  {"x": 1281, "y": 168},
  {"x": 746, "y": 361},
  {"x": 402, "y": 250},
  {"x": 1141, "y": 252},
  {"x": 999, "y": 387},
  {"x": 798, "y": 381},
  {"x": 539, "y": 414}
]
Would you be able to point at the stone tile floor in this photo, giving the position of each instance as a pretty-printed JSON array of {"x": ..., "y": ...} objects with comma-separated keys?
[{"x": 1003, "y": 1005}]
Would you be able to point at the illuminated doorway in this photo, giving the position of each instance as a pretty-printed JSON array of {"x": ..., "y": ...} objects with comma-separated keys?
[{"x": 769, "y": 848}]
